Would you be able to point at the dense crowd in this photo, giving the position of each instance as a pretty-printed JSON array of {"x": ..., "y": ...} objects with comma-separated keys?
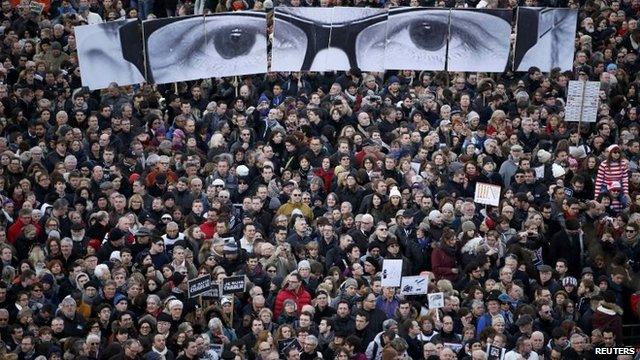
[{"x": 113, "y": 200}]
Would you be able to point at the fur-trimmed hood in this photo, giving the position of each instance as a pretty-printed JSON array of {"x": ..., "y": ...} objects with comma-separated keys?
[{"x": 610, "y": 309}]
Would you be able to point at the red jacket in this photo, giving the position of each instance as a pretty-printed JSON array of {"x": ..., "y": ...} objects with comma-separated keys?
[
  {"x": 16, "y": 229},
  {"x": 301, "y": 297},
  {"x": 442, "y": 263}
]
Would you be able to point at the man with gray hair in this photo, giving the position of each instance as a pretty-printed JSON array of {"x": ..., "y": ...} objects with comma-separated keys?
[
  {"x": 309, "y": 348},
  {"x": 360, "y": 235}
]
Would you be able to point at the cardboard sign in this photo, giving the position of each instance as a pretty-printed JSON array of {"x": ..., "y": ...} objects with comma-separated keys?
[
  {"x": 234, "y": 284},
  {"x": 487, "y": 194},
  {"x": 495, "y": 353},
  {"x": 436, "y": 300},
  {"x": 414, "y": 285},
  {"x": 213, "y": 293},
  {"x": 199, "y": 286},
  {"x": 582, "y": 101},
  {"x": 391, "y": 272}
]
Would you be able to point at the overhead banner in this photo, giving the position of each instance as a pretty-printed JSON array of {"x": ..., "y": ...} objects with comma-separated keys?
[
  {"x": 545, "y": 38},
  {"x": 416, "y": 39},
  {"x": 197, "y": 47},
  {"x": 324, "y": 39},
  {"x": 479, "y": 40},
  {"x": 110, "y": 52}
]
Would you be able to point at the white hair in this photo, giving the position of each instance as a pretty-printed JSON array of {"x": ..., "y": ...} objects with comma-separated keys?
[{"x": 100, "y": 270}]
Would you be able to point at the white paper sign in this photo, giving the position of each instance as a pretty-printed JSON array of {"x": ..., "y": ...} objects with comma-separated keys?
[
  {"x": 391, "y": 272},
  {"x": 582, "y": 101},
  {"x": 436, "y": 300},
  {"x": 414, "y": 285},
  {"x": 487, "y": 194}
]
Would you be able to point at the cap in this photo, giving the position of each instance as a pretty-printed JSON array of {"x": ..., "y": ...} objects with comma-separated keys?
[
  {"x": 350, "y": 282},
  {"x": 524, "y": 319},
  {"x": 572, "y": 224},
  {"x": 115, "y": 256},
  {"x": 54, "y": 234},
  {"x": 118, "y": 298},
  {"x": 116, "y": 234},
  {"x": 468, "y": 226},
  {"x": 230, "y": 247},
  {"x": 143, "y": 231},
  {"x": 544, "y": 268},
  {"x": 77, "y": 226},
  {"x": 587, "y": 270},
  {"x": 614, "y": 185},
  {"x": 107, "y": 185},
  {"x": 164, "y": 317},
  {"x": 517, "y": 148},
  {"x": 218, "y": 182},
  {"x": 56, "y": 46},
  {"x": 242, "y": 170},
  {"x": 225, "y": 300},
  {"x": 569, "y": 281}
]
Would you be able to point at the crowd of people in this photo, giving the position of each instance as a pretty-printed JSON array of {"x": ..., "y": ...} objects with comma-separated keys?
[{"x": 305, "y": 183}]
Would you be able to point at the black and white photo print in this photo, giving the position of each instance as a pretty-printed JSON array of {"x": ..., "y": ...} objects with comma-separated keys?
[
  {"x": 110, "y": 52},
  {"x": 416, "y": 39},
  {"x": 479, "y": 40},
  {"x": 327, "y": 39},
  {"x": 545, "y": 38},
  {"x": 196, "y": 47}
]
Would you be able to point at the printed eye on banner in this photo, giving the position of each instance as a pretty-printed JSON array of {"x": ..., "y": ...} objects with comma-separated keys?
[
  {"x": 196, "y": 47},
  {"x": 479, "y": 40},
  {"x": 416, "y": 39},
  {"x": 323, "y": 39}
]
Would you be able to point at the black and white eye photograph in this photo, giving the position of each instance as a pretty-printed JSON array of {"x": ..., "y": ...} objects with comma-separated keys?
[
  {"x": 416, "y": 39},
  {"x": 479, "y": 40},
  {"x": 103, "y": 58},
  {"x": 301, "y": 39},
  {"x": 329, "y": 39},
  {"x": 545, "y": 38},
  {"x": 182, "y": 49}
]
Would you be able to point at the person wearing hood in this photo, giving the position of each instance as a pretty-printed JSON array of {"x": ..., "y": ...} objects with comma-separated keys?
[
  {"x": 292, "y": 288},
  {"x": 509, "y": 166},
  {"x": 444, "y": 258},
  {"x": 348, "y": 293}
]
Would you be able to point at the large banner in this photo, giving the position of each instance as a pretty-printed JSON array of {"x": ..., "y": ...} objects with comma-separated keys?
[
  {"x": 110, "y": 52},
  {"x": 196, "y": 47},
  {"x": 328, "y": 39},
  {"x": 417, "y": 39},
  {"x": 545, "y": 38},
  {"x": 323, "y": 39},
  {"x": 479, "y": 40}
]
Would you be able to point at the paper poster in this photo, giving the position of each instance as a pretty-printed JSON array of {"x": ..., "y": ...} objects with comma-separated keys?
[
  {"x": 583, "y": 98},
  {"x": 233, "y": 284},
  {"x": 199, "y": 286},
  {"x": 487, "y": 194},
  {"x": 436, "y": 300},
  {"x": 479, "y": 40},
  {"x": 417, "y": 39},
  {"x": 196, "y": 47},
  {"x": 414, "y": 285},
  {"x": 495, "y": 353},
  {"x": 323, "y": 39},
  {"x": 391, "y": 272},
  {"x": 545, "y": 38},
  {"x": 104, "y": 59}
]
